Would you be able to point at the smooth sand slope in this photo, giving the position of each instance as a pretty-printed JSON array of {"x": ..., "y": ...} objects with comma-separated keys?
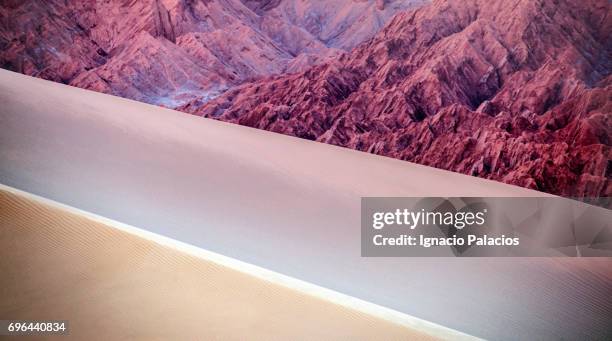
[
  {"x": 284, "y": 204},
  {"x": 112, "y": 285}
]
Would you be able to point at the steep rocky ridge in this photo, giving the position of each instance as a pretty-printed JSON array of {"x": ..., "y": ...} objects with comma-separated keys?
[
  {"x": 171, "y": 51},
  {"x": 518, "y": 91}
]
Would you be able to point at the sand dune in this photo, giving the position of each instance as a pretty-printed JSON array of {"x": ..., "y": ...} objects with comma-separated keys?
[
  {"x": 284, "y": 204},
  {"x": 112, "y": 285}
]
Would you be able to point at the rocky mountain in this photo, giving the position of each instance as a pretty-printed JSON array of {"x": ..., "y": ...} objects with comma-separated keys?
[
  {"x": 169, "y": 52},
  {"x": 518, "y": 91}
]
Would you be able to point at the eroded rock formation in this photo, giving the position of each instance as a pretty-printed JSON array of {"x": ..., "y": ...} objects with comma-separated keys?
[
  {"x": 515, "y": 91},
  {"x": 168, "y": 52}
]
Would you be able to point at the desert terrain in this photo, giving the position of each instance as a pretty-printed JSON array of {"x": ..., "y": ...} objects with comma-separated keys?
[
  {"x": 110, "y": 284},
  {"x": 283, "y": 204}
]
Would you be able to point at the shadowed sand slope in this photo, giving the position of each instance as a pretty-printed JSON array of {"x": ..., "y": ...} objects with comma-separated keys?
[{"x": 112, "y": 285}]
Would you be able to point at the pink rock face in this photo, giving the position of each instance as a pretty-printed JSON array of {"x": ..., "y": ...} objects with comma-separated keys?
[
  {"x": 36, "y": 39},
  {"x": 170, "y": 52},
  {"x": 516, "y": 91}
]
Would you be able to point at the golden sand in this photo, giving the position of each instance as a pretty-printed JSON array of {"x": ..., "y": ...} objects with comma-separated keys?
[{"x": 113, "y": 285}]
